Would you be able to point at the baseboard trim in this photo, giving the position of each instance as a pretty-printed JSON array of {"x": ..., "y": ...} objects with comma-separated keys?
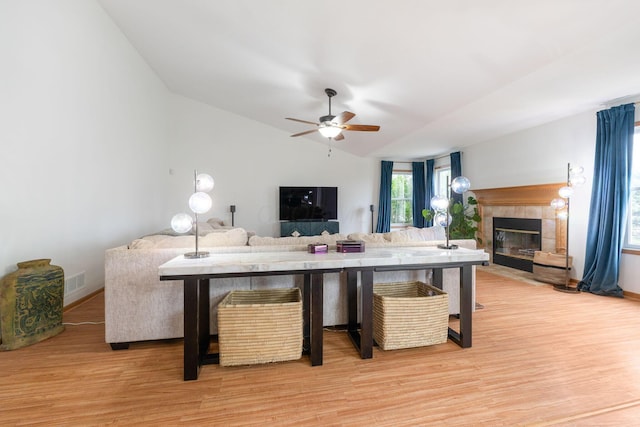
[
  {"x": 626, "y": 294},
  {"x": 82, "y": 300},
  {"x": 631, "y": 295}
]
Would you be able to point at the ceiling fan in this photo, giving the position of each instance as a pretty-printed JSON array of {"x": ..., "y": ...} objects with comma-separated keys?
[{"x": 331, "y": 126}]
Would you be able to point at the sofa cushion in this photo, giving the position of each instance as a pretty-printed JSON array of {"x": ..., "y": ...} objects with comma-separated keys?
[
  {"x": 416, "y": 234},
  {"x": 217, "y": 223},
  {"x": 329, "y": 239},
  {"x": 233, "y": 237},
  {"x": 203, "y": 228},
  {"x": 368, "y": 237}
]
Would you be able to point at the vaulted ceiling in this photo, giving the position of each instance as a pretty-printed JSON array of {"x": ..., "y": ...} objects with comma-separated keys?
[{"x": 435, "y": 75}]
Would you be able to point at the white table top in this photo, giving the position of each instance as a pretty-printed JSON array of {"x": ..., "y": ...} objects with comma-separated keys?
[{"x": 301, "y": 260}]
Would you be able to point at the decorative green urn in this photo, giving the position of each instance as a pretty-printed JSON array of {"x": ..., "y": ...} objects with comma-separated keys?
[{"x": 31, "y": 301}]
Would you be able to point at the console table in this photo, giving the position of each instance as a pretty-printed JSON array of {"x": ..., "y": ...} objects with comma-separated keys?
[{"x": 196, "y": 273}]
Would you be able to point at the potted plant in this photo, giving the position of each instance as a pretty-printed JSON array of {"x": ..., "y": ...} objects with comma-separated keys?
[{"x": 464, "y": 219}]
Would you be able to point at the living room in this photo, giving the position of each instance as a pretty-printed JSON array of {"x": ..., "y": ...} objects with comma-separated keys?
[
  {"x": 101, "y": 151},
  {"x": 98, "y": 150}
]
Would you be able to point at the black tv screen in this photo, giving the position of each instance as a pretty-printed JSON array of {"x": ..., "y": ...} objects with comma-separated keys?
[{"x": 308, "y": 203}]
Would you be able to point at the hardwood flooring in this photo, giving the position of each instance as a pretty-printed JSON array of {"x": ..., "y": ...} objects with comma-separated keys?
[{"x": 539, "y": 358}]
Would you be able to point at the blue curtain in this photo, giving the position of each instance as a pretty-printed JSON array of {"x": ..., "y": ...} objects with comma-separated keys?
[
  {"x": 384, "y": 204},
  {"x": 417, "y": 168},
  {"x": 456, "y": 171},
  {"x": 609, "y": 199},
  {"x": 429, "y": 188}
]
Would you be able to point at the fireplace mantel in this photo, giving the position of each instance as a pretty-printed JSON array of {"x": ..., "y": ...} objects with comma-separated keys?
[
  {"x": 526, "y": 195},
  {"x": 527, "y": 201}
]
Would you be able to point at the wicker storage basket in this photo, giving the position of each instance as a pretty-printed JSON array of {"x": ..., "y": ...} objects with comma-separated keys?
[
  {"x": 260, "y": 326},
  {"x": 550, "y": 268},
  {"x": 409, "y": 314}
]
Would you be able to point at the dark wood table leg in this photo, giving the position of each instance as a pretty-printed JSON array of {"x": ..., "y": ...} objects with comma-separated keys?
[
  {"x": 362, "y": 339},
  {"x": 366, "y": 308},
  {"x": 462, "y": 337},
  {"x": 203, "y": 319},
  {"x": 466, "y": 305},
  {"x": 317, "y": 325},
  {"x": 438, "y": 278},
  {"x": 352, "y": 301},
  {"x": 306, "y": 314},
  {"x": 191, "y": 357}
]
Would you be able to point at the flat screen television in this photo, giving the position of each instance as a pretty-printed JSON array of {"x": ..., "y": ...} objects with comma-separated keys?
[{"x": 308, "y": 203}]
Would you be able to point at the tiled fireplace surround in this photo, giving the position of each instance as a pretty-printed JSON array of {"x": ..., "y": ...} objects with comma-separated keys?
[{"x": 530, "y": 201}]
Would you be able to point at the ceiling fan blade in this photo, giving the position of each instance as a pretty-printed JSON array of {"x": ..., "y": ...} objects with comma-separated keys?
[
  {"x": 302, "y": 121},
  {"x": 343, "y": 117},
  {"x": 305, "y": 132},
  {"x": 366, "y": 128},
  {"x": 339, "y": 137}
]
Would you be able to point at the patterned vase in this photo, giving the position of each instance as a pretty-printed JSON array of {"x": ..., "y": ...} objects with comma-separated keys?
[{"x": 31, "y": 301}]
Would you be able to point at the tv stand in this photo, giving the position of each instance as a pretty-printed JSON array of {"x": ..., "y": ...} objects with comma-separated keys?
[{"x": 308, "y": 228}]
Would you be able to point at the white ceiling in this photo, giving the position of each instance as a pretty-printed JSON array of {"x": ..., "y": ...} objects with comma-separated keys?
[{"x": 435, "y": 75}]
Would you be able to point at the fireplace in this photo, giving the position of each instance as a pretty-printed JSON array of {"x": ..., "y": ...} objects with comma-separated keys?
[
  {"x": 525, "y": 202},
  {"x": 515, "y": 241}
]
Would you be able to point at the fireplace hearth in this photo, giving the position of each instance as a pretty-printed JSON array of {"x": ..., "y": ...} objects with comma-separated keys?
[{"x": 515, "y": 240}]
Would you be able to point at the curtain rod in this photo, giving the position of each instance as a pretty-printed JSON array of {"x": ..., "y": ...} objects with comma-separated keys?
[
  {"x": 622, "y": 100},
  {"x": 444, "y": 156},
  {"x": 618, "y": 103}
]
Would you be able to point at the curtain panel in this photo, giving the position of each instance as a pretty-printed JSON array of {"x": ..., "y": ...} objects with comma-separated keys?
[
  {"x": 609, "y": 200},
  {"x": 456, "y": 171},
  {"x": 384, "y": 203},
  {"x": 429, "y": 188},
  {"x": 419, "y": 193}
]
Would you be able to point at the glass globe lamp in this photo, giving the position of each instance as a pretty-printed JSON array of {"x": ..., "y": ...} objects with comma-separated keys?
[
  {"x": 576, "y": 170},
  {"x": 200, "y": 202},
  {"x": 181, "y": 223},
  {"x": 577, "y": 180},
  {"x": 460, "y": 184},
  {"x": 204, "y": 182},
  {"x": 565, "y": 192},
  {"x": 442, "y": 219},
  {"x": 439, "y": 203},
  {"x": 558, "y": 203}
]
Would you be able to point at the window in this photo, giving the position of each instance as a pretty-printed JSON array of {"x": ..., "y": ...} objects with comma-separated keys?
[
  {"x": 441, "y": 176},
  {"x": 633, "y": 227},
  {"x": 402, "y": 191},
  {"x": 401, "y": 197}
]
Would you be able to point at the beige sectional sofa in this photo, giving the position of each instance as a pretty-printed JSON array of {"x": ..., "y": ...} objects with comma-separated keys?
[{"x": 139, "y": 307}]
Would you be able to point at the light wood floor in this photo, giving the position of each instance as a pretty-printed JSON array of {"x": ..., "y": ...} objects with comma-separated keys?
[{"x": 539, "y": 357}]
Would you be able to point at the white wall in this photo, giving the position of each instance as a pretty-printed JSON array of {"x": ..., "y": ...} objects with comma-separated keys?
[
  {"x": 540, "y": 156},
  {"x": 83, "y": 141},
  {"x": 88, "y": 131},
  {"x": 249, "y": 161}
]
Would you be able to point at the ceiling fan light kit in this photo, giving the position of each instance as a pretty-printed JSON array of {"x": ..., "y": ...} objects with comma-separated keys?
[
  {"x": 331, "y": 126},
  {"x": 328, "y": 130}
]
